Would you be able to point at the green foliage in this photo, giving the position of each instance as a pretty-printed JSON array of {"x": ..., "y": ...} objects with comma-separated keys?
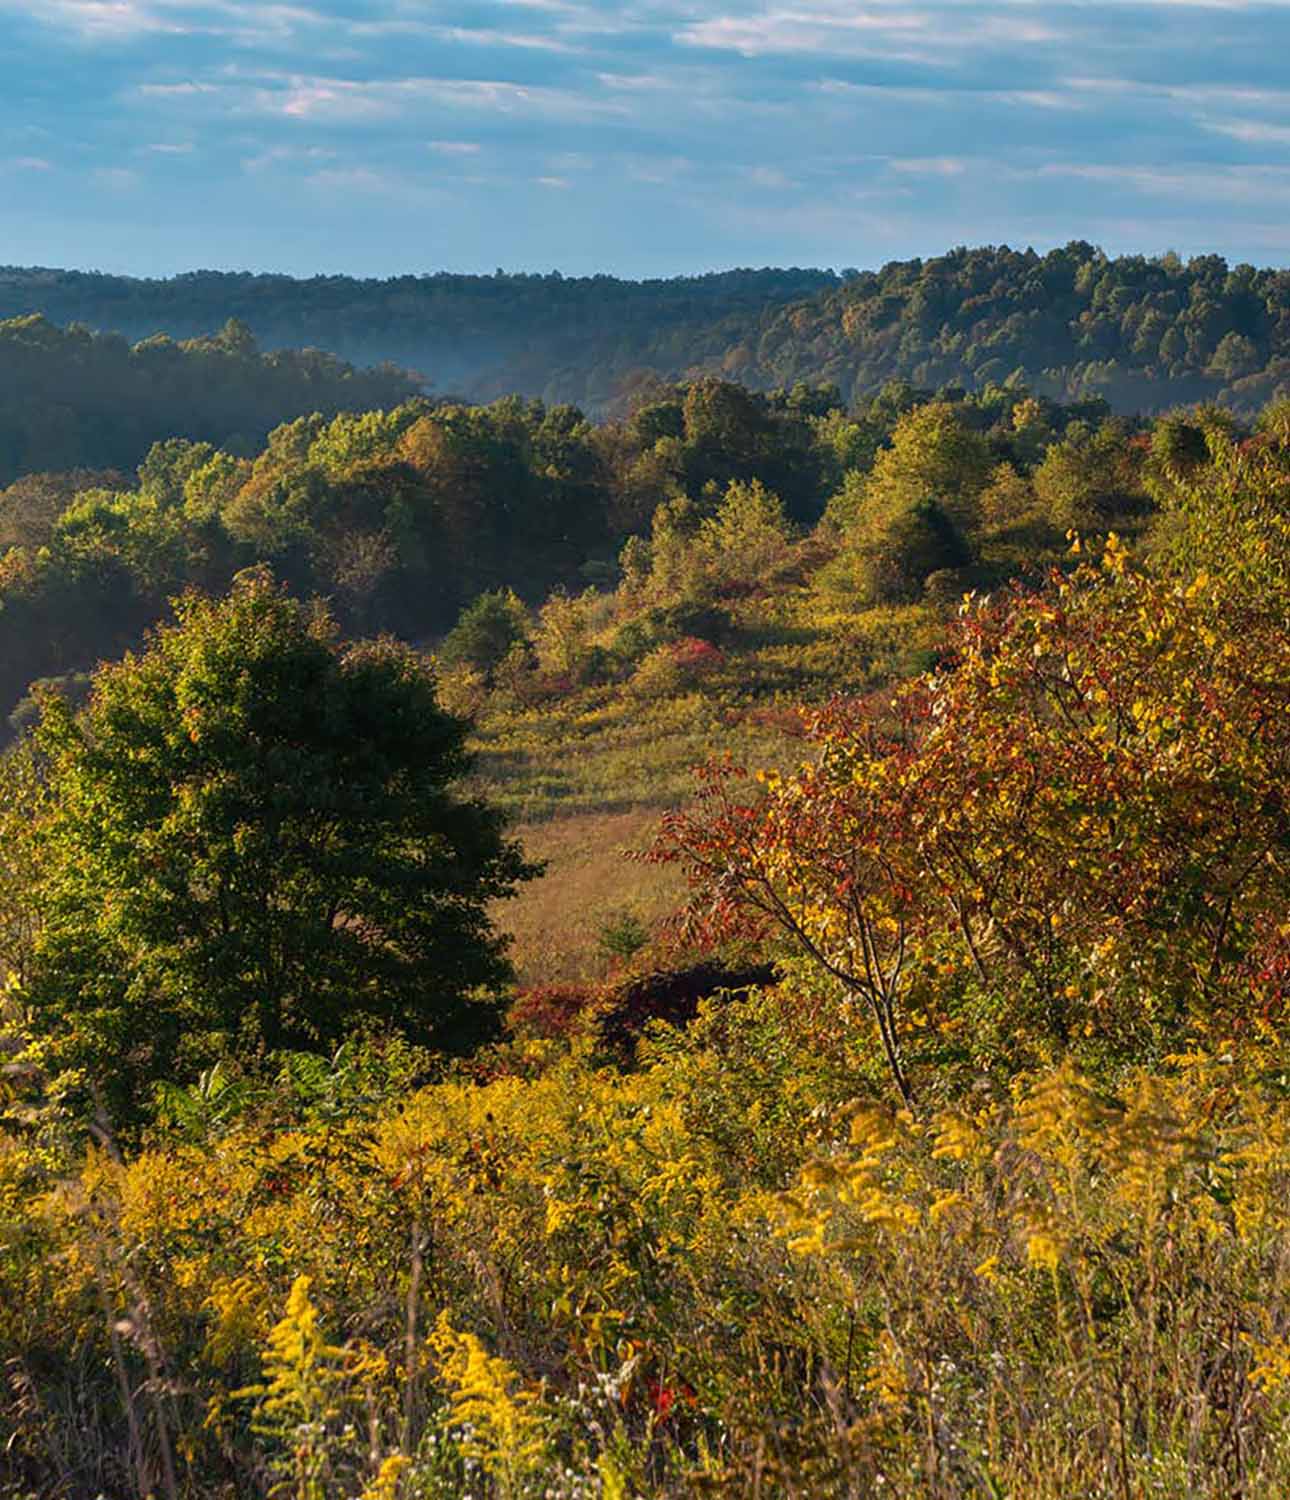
[
  {"x": 622, "y": 935},
  {"x": 1038, "y": 891},
  {"x": 73, "y": 398},
  {"x": 566, "y": 628},
  {"x": 677, "y": 565},
  {"x": 486, "y": 631},
  {"x": 1072, "y": 324},
  {"x": 402, "y": 517},
  {"x": 22, "y": 798},
  {"x": 747, "y": 540},
  {"x": 933, "y": 456},
  {"x": 888, "y": 561},
  {"x": 1086, "y": 482},
  {"x": 252, "y": 843}
]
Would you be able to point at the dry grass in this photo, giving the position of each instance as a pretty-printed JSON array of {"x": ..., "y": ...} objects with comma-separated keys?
[
  {"x": 587, "y": 777},
  {"x": 556, "y": 920}
]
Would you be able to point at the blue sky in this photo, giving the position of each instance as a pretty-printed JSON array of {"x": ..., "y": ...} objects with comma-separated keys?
[{"x": 640, "y": 137}]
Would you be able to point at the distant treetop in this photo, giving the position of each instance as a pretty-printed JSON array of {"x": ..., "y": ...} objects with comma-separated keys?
[{"x": 1143, "y": 332}]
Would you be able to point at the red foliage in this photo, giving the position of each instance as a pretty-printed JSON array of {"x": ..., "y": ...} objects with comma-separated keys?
[
  {"x": 550, "y": 1011},
  {"x": 696, "y": 656},
  {"x": 1086, "y": 801}
]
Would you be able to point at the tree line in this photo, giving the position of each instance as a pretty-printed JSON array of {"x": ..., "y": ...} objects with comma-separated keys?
[
  {"x": 403, "y": 516},
  {"x": 561, "y": 338},
  {"x": 1143, "y": 332},
  {"x": 71, "y": 398}
]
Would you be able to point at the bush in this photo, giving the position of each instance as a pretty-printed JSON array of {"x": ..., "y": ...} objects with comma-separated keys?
[
  {"x": 675, "y": 668},
  {"x": 486, "y": 632},
  {"x": 549, "y": 1011},
  {"x": 709, "y": 621},
  {"x": 945, "y": 588},
  {"x": 891, "y": 565},
  {"x": 621, "y": 936},
  {"x": 672, "y": 996}
]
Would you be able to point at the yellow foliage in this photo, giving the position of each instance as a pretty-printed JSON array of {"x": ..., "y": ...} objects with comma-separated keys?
[
  {"x": 237, "y": 1304},
  {"x": 504, "y": 1420},
  {"x": 385, "y": 1486}
]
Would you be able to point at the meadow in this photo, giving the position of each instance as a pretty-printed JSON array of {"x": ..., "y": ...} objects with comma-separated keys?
[{"x": 980, "y": 1186}]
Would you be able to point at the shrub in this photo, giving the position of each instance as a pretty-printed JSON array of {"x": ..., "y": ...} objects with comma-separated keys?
[
  {"x": 486, "y": 632},
  {"x": 621, "y": 935},
  {"x": 675, "y": 668},
  {"x": 671, "y": 996},
  {"x": 549, "y": 1011},
  {"x": 890, "y": 563}
]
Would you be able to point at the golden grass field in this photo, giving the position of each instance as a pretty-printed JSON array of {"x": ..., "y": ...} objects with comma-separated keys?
[
  {"x": 586, "y": 778},
  {"x": 555, "y": 920}
]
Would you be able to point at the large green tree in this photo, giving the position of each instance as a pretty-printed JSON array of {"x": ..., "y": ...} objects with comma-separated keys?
[{"x": 253, "y": 843}]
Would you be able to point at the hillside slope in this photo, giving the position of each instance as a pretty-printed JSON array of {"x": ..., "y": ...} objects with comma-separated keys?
[
  {"x": 70, "y": 398},
  {"x": 561, "y": 338},
  {"x": 1145, "y": 333}
]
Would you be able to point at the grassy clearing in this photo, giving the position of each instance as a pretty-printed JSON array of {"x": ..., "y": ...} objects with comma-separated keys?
[
  {"x": 587, "y": 776},
  {"x": 556, "y": 921}
]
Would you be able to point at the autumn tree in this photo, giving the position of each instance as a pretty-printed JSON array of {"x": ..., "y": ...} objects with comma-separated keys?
[
  {"x": 1088, "y": 481},
  {"x": 933, "y": 456},
  {"x": 1084, "y": 812},
  {"x": 810, "y": 859},
  {"x": 748, "y": 537}
]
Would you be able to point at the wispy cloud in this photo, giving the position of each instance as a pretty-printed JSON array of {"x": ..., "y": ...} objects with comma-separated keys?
[
  {"x": 116, "y": 179},
  {"x": 929, "y": 166},
  {"x": 1253, "y": 132},
  {"x": 678, "y": 133}
]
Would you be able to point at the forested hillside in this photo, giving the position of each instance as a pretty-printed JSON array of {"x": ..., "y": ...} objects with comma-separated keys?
[
  {"x": 1143, "y": 333},
  {"x": 561, "y": 338},
  {"x": 74, "y": 399},
  {"x": 403, "y": 516}
]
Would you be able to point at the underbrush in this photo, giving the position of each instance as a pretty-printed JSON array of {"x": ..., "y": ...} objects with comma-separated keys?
[{"x": 727, "y": 1268}]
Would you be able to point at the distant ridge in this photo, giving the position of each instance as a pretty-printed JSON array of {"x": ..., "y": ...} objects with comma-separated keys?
[
  {"x": 564, "y": 338},
  {"x": 1145, "y": 333}
]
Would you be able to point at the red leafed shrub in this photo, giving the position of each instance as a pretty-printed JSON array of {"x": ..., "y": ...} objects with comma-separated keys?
[
  {"x": 676, "y": 667},
  {"x": 550, "y": 1011},
  {"x": 696, "y": 657},
  {"x": 672, "y": 996}
]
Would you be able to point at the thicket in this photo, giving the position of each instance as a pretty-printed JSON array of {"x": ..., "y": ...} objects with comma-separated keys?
[{"x": 986, "y": 1195}]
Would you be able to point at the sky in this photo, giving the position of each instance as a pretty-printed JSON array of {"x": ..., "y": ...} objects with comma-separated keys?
[{"x": 635, "y": 137}]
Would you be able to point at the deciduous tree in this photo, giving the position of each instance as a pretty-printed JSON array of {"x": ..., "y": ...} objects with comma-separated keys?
[{"x": 254, "y": 843}]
